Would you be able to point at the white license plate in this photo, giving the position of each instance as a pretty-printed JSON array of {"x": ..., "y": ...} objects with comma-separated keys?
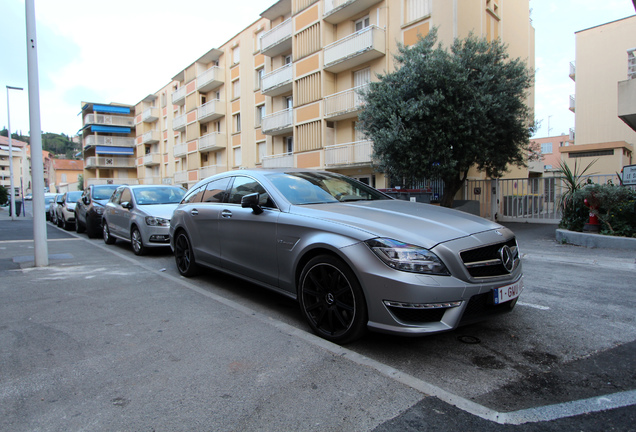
[{"x": 508, "y": 292}]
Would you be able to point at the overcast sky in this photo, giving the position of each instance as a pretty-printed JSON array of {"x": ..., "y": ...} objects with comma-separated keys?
[{"x": 114, "y": 51}]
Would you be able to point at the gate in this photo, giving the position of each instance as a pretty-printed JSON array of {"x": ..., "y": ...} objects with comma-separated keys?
[{"x": 533, "y": 200}]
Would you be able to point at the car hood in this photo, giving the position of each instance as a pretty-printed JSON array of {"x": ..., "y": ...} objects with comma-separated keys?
[
  {"x": 416, "y": 223},
  {"x": 158, "y": 210}
]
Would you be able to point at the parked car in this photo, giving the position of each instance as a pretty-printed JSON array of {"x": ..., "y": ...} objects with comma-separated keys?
[
  {"x": 49, "y": 199},
  {"x": 66, "y": 209},
  {"x": 90, "y": 208},
  {"x": 28, "y": 197},
  {"x": 353, "y": 257},
  {"x": 58, "y": 200},
  {"x": 140, "y": 214}
]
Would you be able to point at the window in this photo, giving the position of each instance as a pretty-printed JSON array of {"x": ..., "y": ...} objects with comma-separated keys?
[
  {"x": 261, "y": 149},
  {"x": 237, "y": 122},
  {"x": 126, "y": 196},
  {"x": 63, "y": 178},
  {"x": 238, "y": 157},
  {"x": 362, "y": 23},
  {"x": 236, "y": 89},
  {"x": 546, "y": 148},
  {"x": 243, "y": 186},
  {"x": 194, "y": 196},
  {"x": 416, "y": 9},
  {"x": 288, "y": 59},
  {"x": 289, "y": 144},
  {"x": 216, "y": 191},
  {"x": 259, "y": 79},
  {"x": 260, "y": 113},
  {"x": 236, "y": 54}
]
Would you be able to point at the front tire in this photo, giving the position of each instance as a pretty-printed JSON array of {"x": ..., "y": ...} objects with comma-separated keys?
[
  {"x": 184, "y": 257},
  {"x": 331, "y": 300},
  {"x": 137, "y": 242},
  {"x": 108, "y": 239}
]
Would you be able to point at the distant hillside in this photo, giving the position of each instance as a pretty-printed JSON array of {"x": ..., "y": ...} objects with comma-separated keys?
[{"x": 61, "y": 146}]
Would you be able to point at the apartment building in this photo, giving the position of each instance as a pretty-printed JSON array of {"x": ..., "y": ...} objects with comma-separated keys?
[
  {"x": 605, "y": 101},
  {"x": 284, "y": 92},
  {"x": 108, "y": 143},
  {"x": 18, "y": 160}
]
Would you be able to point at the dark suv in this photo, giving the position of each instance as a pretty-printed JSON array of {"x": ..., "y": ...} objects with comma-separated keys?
[{"x": 90, "y": 207}]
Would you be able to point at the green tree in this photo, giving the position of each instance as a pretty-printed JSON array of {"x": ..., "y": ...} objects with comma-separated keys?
[
  {"x": 4, "y": 195},
  {"x": 444, "y": 111},
  {"x": 80, "y": 182}
]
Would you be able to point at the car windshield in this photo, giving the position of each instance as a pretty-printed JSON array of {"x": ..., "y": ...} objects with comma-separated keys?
[
  {"x": 48, "y": 200},
  {"x": 103, "y": 192},
  {"x": 72, "y": 197},
  {"x": 158, "y": 195},
  {"x": 321, "y": 187}
]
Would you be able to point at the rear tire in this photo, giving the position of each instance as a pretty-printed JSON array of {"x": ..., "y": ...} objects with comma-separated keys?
[
  {"x": 331, "y": 300},
  {"x": 108, "y": 239},
  {"x": 183, "y": 255},
  {"x": 79, "y": 227}
]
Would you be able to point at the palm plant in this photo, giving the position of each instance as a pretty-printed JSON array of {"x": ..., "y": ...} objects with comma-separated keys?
[{"x": 573, "y": 180}]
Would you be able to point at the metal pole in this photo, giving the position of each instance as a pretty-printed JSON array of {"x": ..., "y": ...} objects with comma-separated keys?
[
  {"x": 12, "y": 190},
  {"x": 37, "y": 166}
]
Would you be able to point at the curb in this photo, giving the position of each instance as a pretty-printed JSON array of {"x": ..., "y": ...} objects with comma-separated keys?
[{"x": 595, "y": 240}]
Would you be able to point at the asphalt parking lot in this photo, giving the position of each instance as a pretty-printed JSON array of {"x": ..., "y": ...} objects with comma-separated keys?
[{"x": 104, "y": 340}]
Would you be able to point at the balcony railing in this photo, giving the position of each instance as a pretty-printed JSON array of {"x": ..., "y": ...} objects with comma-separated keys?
[
  {"x": 179, "y": 123},
  {"x": 150, "y": 115},
  {"x": 180, "y": 150},
  {"x": 110, "y": 141},
  {"x": 278, "y": 82},
  {"x": 631, "y": 63},
  {"x": 285, "y": 160},
  {"x": 150, "y": 181},
  {"x": 212, "y": 142},
  {"x": 151, "y": 159},
  {"x": 210, "y": 79},
  {"x": 573, "y": 71},
  {"x": 115, "y": 181},
  {"x": 151, "y": 137},
  {"x": 337, "y": 11},
  {"x": 572, "y": 103},
  {"x": 355, "y": 49},
  {"x": 110, "y": 162},
  {"x": 277, "y": 40},
  {"x": 180, "y": 177},
  {"x": 211, "y": 111},
  {"x": 278, "y": 123},
  {"x": 210, "y": 170},
  {"x": 345, "y": 104},
  {"x": 178, "y": 96},
  {"x": 355, "y": 153},
  {"x": 109, "y": 120}
]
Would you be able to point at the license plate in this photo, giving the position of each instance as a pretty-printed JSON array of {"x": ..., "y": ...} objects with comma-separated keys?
[{"x": 508, "y": 292}]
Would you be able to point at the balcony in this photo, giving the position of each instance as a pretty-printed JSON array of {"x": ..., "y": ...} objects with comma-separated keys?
[
  {"x": 278, "y": 82},
  {"x": 152, "y": 159},
  {"x": 572, "y": 71},
  {"x": 179, "y": 123},
  {"x": 278, "y": 123},
  {"x": 110, "y": 162},
  {"x": 337, "y": 11},
  {"x": 572, "y": 103},
  {"x": 180, "y": 177},
  {"x": 355, "y": 49},
  {"x": 349, "y": 154},
  {"x": 109, "y": 120},
  {"x": 278, "y": 40},
  {"x": 151, "y": 137},
  {"x": 627, "y": 92},
  {"x": 150, "y": 115},
  {"x": 180, "y": 150},
  {"x": 210, "y": 170},
  {"x": 178, "y": 96},
  {"x": 212, "y": 142},
  {"x": 345, "y": 104},
  {"x": 210, "y": 79},
  {"x": 113, "y": 181},
  {"x": 211, "y": 111},
  {"x": 110, "y": 141},
  {"x": 150, "y": 181},
  {"x": 285, "y": 160}
]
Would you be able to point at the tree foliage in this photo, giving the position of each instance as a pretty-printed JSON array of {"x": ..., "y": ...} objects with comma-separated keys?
[
  {"x": 444, "y": 111},
  {"x": 58, "y": 144}
]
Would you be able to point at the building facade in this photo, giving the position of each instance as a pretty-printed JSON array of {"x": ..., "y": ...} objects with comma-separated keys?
[{"x": 284, "y": 92}]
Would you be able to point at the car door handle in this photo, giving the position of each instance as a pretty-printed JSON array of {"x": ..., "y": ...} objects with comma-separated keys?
[
  {"x": 226, "y": 214},
  {"x": 194, "y": 212}
]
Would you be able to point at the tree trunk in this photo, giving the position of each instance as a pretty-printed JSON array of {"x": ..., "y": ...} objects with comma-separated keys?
[{"x": 451, "y": 187}]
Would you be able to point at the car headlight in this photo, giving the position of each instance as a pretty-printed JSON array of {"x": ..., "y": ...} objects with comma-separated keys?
[
  {"x": 407, "y": 257},
  {"x": 157, "y": 221}
]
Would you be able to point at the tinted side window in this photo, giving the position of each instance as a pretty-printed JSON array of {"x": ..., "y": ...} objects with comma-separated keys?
[
  {"x": 194, "y": 196},
  {"x": 244, "y": 186},
  {"x": 126, "y": 196},
  {"x": 216, "y": 191},
  {"x": 116, "y": 195}
]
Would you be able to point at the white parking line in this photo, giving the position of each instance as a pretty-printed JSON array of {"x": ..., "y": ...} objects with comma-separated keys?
[
  {"x": 534, "y": 306},
  {"x": 531, "y": 415}
]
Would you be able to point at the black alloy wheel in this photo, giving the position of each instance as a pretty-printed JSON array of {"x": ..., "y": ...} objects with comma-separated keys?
[
  {"x": 184, "y": 256},
  {"x": 108, "y": 239},
  {"x": 331, "y": 300}
]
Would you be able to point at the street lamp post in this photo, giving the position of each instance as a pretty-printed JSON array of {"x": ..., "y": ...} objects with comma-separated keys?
[{"x": 12, "y": 191}]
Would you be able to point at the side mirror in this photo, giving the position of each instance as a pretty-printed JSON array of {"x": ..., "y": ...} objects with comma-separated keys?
[
  {"x": 127, "y": 205},
  {"x": 85, "y": 200},
  {"x": 251, "y": 201}
]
